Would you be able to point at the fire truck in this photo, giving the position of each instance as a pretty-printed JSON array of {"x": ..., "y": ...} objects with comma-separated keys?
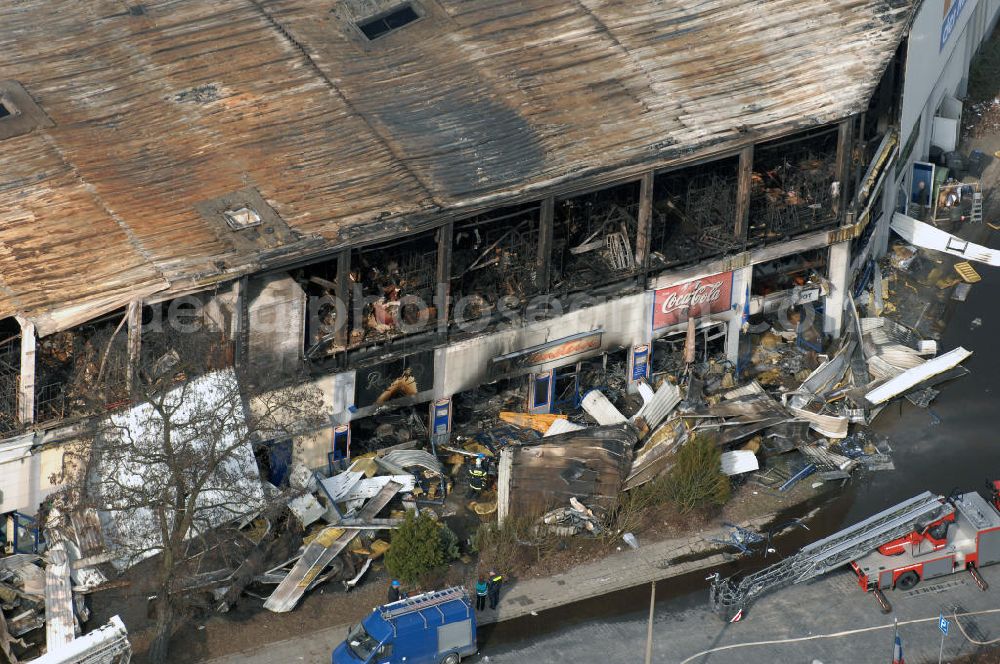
[
  {"x": 925, "y": 537},
  {"x": 965, "y": 537}
]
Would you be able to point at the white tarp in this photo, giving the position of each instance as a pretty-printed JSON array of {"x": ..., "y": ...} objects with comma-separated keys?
[
  {"x": 738, "y": 462},
  {"x": 601, "y": 409},
  {"x": 562, "y": 425},
  {"x": 917, "y": 375},
  {"x": 925, "y": 235},
  {"x": 233, "y": 492}
]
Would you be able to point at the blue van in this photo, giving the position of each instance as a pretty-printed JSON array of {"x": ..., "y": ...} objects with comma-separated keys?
[{"x": 432, "y": 628}]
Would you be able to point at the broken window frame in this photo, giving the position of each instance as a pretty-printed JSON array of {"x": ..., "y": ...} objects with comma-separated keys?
[
  {"x": 154, "y": 316},
  {"x": 514, "y": 232},
  {"x": 712, "y": 226},
  {"x": 787, "y": 200},
  {"x": 321, "y": 337},
  {"x": 613, "y": 224},
  {"x": 97, "y": 366},
  {"x": 10, "y": 374}
]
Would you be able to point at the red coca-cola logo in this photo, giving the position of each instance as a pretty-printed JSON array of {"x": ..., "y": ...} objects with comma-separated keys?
[{"x": 706, "y": 296}]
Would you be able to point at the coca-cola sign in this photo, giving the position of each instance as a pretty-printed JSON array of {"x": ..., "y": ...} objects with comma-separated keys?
[{"x": 700, "y": 297}]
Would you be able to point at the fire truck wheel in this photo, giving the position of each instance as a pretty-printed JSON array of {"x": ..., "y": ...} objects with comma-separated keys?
[
  {"x": 450, "y": 659},
  {"x": 907, "y": 580}
]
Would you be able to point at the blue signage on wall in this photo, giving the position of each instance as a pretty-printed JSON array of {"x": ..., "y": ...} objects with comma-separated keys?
[{"x": 952, "y": 10}]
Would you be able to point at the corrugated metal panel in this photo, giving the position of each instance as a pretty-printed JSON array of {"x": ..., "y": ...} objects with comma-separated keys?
[{"x": 478, "y": 102}]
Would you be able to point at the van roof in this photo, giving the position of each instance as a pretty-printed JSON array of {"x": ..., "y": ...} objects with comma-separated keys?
[{"x": 421, "y": 611}]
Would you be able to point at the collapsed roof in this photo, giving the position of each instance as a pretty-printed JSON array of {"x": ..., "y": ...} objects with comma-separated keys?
[{"x": 153, "y": 121}]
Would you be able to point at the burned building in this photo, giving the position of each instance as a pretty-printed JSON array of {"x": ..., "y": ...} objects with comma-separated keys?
[{"x": 403, "y": 200}]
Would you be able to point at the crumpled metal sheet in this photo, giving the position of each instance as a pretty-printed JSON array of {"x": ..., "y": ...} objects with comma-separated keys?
[{"x": 409, "y": 458}]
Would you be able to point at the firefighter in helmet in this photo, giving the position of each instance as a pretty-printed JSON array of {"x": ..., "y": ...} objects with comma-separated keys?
[{"x": 477, "y": 476}]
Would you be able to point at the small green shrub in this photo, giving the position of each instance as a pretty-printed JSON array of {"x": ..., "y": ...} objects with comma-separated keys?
[
  {"x": 696, "y": 479},
  {"x": 420, "y": 545}
]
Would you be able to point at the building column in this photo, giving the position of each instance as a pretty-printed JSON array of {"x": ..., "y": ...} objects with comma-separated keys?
[
  {"x": 845, "y": 148},
  {"x": 443, "y": 291},
  {"x": 742, "y": 279},
  {"x": 343, "y": 294},
  {"x": 545, "y": 229},
  {"x": 744, "y": 171},
  {"x": 134, "y": 316},
  {"x": 26, "y": 384},
  {"x": 839, "y": 266},
  {"x": 645, "y": 220}
]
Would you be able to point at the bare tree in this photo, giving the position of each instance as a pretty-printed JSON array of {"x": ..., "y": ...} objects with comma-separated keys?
[{"x": 170, "y": 475}]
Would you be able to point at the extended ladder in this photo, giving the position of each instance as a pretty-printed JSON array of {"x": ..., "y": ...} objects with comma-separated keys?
[{"x": 730, "y": 596}]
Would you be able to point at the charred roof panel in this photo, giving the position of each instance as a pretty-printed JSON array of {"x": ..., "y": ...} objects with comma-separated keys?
[{"x": 344, "y": 137}]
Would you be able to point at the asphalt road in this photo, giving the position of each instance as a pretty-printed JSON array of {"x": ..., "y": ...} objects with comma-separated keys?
[{"x": 829, "y": 620}]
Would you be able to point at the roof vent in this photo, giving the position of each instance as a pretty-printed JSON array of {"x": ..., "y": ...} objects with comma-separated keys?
[
  {"x": 241, "y": 218},
  {"x": 19, "y": 114},
  {"x": 386, "y": 22}
]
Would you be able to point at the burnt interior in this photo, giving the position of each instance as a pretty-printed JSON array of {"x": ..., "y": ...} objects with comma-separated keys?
[
  {"x": 494, "y": 262},
  {"x": 593, "y": 238},
  {"x": 10, "y": 369},
  {"x": 393, "y": 288},
  {"x": 792, "y": 186},
  {"x": 81, "y": 369},
  {"x": 667, "y": 361},
  {"x": 788, "y": 272},
  {"x": 694, "y": 214}
]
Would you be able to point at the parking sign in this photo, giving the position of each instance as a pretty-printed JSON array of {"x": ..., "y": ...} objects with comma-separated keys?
[{"x": 943, "y": 625}]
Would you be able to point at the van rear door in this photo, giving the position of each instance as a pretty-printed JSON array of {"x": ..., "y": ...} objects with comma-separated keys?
[{"x": 455, "y": 637}]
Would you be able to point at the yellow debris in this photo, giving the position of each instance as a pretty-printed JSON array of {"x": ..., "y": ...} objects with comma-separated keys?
[
  {"x": 753, "y": 445},
  {"x": 967, "y": 272},
  {"x": 947, "y": 281},
  {"x": 482, "y": 508},
  {"x": 770, "y": 340},
  {"x": 476, "y": 448},
  {"x": 257, "y": 530},
  {"x": 366, "y": 465},
  {"x": 540, "y": 422},
  {"x": 324, "y": 537},
  {"x": 378, "y": 548},
  {"x": 995, "y": 227}
]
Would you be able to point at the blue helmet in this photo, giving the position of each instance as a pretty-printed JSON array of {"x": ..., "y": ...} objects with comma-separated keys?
[
  {"x": 480, "y": 456},
  {"x": 395, "y": 583}
]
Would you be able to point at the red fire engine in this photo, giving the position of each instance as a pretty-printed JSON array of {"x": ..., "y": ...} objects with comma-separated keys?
[{"x": 965, "y": 537}]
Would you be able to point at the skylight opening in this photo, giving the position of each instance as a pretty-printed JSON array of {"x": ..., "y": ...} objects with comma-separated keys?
[
  {"x": 241, "y": 218},
  {"x": 383, "y": 24}
]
